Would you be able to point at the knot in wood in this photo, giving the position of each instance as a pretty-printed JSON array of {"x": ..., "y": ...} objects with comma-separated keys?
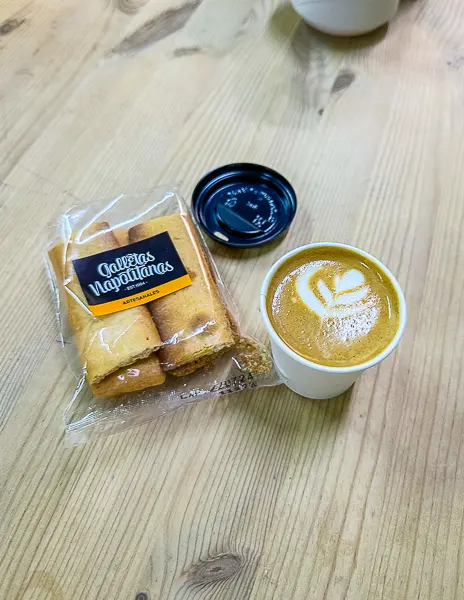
[
  {"x": 343, "y": 81},
  {"x": 10, "y": 25},
  {"x": 216, "y": 569}
]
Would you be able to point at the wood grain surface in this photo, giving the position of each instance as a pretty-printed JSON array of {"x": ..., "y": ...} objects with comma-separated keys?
[{"x": 260, "y": 495}]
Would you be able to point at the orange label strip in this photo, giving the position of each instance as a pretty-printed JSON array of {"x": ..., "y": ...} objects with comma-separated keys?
[{"x": 159, "y": 291}]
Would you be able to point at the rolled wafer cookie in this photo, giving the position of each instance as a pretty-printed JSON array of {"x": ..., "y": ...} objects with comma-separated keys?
[
  {"x": 204, "y": 361},
  {"x": 140, "y": 375},
  {"x": 193, "y": 323},
  {"x": 122, "y": 235},
  {"x": 111, "y": 342}
]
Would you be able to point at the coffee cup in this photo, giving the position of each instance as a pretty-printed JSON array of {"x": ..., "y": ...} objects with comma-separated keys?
[
  {"x": 346, "y": 17},
  {"x": 317, "y": 380}
]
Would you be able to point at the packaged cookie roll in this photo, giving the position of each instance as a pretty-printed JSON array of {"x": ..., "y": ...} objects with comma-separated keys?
[{"x": 146, "y": 321}]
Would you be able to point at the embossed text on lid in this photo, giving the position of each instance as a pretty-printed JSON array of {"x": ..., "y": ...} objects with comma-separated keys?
[{"x": 244, "y": 205}]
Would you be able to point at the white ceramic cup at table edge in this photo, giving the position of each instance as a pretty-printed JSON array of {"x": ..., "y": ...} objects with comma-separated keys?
[
  {"x": 346, "y": 17},
  {"x": 309, "y": 379}
]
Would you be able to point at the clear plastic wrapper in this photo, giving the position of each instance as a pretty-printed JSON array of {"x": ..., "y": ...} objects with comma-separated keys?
[{"x": 146, "y": 321}]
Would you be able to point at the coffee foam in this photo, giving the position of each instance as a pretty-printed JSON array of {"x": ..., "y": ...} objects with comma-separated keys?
[{"x": 333, "y": 306}]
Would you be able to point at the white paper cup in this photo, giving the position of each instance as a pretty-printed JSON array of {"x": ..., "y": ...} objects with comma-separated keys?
[
  {"x": 309, "y": 379},
  {"x": 346, "y": 17}
]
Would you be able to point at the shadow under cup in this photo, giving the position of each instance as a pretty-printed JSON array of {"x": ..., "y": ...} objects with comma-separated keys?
[{"x": 310, "y": 379}]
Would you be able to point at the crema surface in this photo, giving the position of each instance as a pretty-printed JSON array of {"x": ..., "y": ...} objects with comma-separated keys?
[{"x": 333, "y": 306}]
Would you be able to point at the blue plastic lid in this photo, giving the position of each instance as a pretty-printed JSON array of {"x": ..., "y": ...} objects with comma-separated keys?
[{"x": 244, "y": 205}]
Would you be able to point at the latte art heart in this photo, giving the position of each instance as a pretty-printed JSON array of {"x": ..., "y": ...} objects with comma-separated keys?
[
  {"x": 333, "y": 306},
  {"x": 343, "y": 301}
]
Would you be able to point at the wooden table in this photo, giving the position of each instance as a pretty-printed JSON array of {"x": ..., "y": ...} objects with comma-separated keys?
[{"x": 260, "y": 495}]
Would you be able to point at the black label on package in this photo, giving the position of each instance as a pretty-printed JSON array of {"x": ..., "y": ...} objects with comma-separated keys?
[{"x": 132, "y": 275}]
